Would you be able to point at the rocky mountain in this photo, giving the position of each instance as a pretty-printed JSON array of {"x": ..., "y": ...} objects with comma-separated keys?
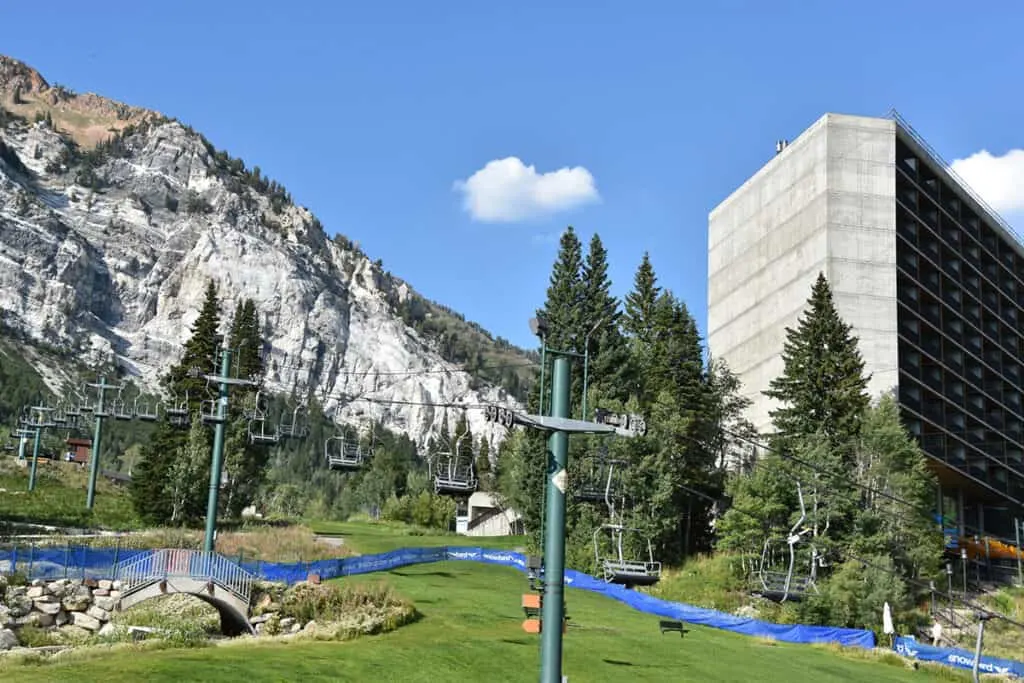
[{"x": 114, "y": 218}]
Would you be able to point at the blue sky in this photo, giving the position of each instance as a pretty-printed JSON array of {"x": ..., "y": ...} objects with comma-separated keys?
[{"x": 370, "y": 112}]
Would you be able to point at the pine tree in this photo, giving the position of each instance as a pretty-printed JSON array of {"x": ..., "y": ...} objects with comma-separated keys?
[
  {"x": 734, "y": 435},
  {"x": 678, "y": 456},
  {"x": 246, "y": 341},
  {"x": 823, "y": 396},
  {"x": 674, "y": 357},
  {"x": 187, "y": 475},
  {"x": 641, "y": 302},
  {"x": 149, "y": 494},
  {"x": 202, "y": 352},
  {"x": 891, "y": 467},
  {"x": 245, "y": 463},
  {"x": 151, "y": 486},
  {"x": 565, "y": 294},
  {"x": 823, "y": 386},
  {"x": 610, "y": 374}
]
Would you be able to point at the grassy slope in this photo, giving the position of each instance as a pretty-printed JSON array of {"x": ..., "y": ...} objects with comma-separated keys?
[
  {"x": 470, "y": 631},
  {"x": 59, "y": 497}
]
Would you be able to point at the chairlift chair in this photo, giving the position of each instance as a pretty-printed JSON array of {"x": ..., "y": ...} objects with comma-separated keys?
[
  {"x": 258, "y": 432},
  {"x": 105, "y": 410},
  {"x": 84, "y": 405},
  {"x": 597, "y": 483},
  {"x": 177, "y": 412},
  {"x": 342, "y": 452},
  {"x": 255, "y": 407},
  {"x": 146, "y": 411},
  {"x": 780, "y": 586},
  {"x": 121, "y": 410},
  {"x": 295, "y": 429},
  {"x": 346, "y": 450},
  {"x": 453, "y": 476},
  {"x": 208, "y": 411},
  {"x": 59, "y": 416},
  {"x": 618, "y": 568}
]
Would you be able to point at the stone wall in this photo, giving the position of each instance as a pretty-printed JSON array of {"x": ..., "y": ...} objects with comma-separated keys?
[{"x": 73, "y": 606}]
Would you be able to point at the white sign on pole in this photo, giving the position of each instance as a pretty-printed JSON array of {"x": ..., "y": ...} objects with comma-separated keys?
[{"x": 560, "y": 480}]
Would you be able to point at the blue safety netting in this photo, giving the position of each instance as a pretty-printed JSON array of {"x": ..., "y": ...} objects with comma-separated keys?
[
  {"x": 71, "y": 562},
  {"x": 961, "y": 659},
  {"x": 101, "y": 563}
]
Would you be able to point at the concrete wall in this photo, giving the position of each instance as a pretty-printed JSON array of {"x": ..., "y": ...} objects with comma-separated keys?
[
  {"x": 825, "y": 203},
  {"x": 862, "y": 238}
]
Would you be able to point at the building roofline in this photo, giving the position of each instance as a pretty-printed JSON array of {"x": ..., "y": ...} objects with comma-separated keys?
[
  {"x": 914, "y": 140},
  {"x": 766, "y": 167}
]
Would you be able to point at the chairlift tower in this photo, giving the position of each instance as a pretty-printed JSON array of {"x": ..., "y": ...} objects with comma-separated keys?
[
  {"x": 560, "y": 426},
  {"x": 99, "y": 413},
  {"x": 218, "y": 417},
  {"x": 22, "y": 434},
  {"x": 36, "y": 420}
]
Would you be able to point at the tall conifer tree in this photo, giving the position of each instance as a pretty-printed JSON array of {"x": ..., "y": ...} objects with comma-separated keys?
[
  {"x": 640, "y": 303},
  {"x": 151, "y": 488},
  {"x": 823, "y": 387}
]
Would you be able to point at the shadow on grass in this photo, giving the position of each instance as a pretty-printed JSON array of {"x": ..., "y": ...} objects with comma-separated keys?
[
  {"x": 517, "y": 641},
  {"x": 442, "y": 574}
]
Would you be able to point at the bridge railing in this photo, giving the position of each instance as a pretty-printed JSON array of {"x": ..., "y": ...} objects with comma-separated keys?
[{"x": 168, "y": 563}]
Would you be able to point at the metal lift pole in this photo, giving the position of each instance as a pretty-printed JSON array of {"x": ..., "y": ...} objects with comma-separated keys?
[
  {"x": 94, "y": 458},
  {"x": 218, "y": 451},
  {"x": 35, "y": 461},
  {"x": 554, "y": 541}
]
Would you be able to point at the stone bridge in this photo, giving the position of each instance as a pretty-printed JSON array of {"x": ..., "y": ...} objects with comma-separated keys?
[{"x": 210, "y": 577}]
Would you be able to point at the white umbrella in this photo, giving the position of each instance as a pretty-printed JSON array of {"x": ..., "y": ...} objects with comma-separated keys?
[{"x": 887, "y": 627}]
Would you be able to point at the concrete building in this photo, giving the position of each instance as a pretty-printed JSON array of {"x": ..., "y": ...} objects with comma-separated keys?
[
  {"x": 485, "y": 516},
  {"x": 930, "y": 278}
]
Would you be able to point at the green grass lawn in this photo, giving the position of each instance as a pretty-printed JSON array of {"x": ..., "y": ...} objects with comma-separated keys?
[
  {"x": 470, "y": 630},
  {"x": 59, "y": 497},
  {"x": 378, "y": 537}
]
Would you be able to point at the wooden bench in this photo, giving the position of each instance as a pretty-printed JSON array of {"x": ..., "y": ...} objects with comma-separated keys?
[{"x": 668, "y": 626}]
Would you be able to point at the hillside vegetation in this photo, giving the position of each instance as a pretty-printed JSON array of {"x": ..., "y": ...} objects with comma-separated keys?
[{"x": 59, "y": 498}]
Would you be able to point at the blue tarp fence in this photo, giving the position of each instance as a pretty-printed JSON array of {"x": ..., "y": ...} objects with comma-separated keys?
[
  {"x": 78, "y": 562},
  {"x": 961, "y": 659},
  {"x": 53, "y": 562}
]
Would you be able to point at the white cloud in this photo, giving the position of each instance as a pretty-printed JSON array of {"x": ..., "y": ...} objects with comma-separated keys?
[
  {"x": 998, "y": 180},
  {"x": 506, "y": 190}
]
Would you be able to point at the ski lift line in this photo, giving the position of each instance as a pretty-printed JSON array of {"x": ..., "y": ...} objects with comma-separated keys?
[
  {"x": 386, "y": 401},
  {"x": 415, "y": 373}
]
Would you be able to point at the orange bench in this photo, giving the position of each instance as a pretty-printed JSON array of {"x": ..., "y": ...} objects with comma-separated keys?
[{"x": 532, "y": 605}]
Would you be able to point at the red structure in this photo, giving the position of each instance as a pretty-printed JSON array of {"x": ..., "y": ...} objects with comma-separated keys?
[{"x": 79, "y": 450}]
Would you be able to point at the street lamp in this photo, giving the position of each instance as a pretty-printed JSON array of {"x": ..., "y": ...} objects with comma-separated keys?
[
  {"x": 539, "y": 327},
  {"x": 586, "y": 362}
]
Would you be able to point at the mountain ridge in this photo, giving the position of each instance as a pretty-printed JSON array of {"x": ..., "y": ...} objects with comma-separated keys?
[{"x": 114, "y": 235}]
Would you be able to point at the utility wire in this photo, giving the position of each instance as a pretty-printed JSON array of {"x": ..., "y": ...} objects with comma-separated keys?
[{"x": 414, "y": 373}]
